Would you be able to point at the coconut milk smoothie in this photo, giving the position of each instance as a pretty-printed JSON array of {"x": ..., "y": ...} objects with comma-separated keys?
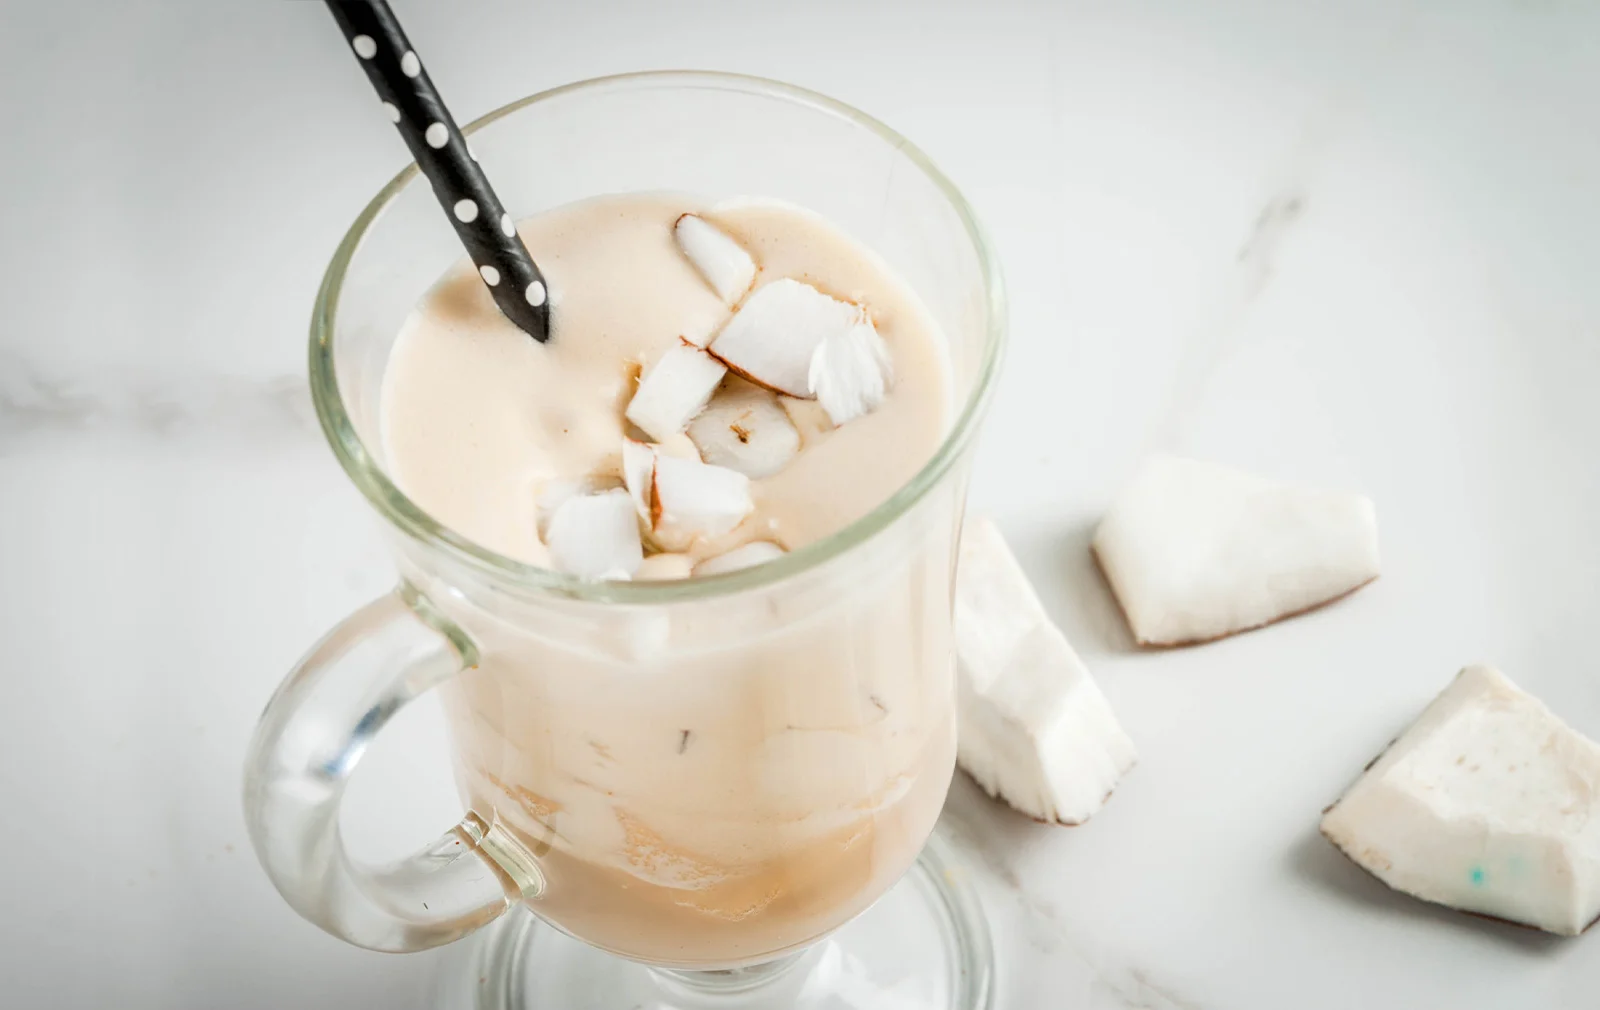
[{"x": 707, "y": 785}]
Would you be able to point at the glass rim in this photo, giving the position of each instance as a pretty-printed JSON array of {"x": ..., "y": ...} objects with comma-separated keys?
[{"x": 409, "y": 518}]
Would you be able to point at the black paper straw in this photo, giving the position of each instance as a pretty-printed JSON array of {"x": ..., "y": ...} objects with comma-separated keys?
[{"x": 427, "y": 127}]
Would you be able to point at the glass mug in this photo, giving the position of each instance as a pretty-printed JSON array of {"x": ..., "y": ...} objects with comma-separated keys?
[{"x": 703, "y": 775}]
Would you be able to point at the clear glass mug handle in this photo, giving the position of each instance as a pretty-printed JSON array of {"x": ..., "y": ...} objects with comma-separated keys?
[{"x": 306, "y": 746}]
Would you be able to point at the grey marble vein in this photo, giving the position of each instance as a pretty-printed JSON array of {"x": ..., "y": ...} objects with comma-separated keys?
[
  {"x": 990, "y": 837},
  {"x": 32, "y": 402}
]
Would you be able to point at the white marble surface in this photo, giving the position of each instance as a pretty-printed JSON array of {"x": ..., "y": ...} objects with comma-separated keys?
[{"x": 1353, "y": 244}]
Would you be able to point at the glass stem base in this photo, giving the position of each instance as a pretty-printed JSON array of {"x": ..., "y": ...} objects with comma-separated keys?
[
  {"x": 718, "y": 988},
  {"x": 923, "y": 946}
]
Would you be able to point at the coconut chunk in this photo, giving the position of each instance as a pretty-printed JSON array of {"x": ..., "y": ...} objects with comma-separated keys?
[
  {"x": 674, "y": 390},
  {"x": 1196, "y": 551},
  {"x": 691, "y": 500},
  {"x": 552, "y": 494},
  {"x": 596, "y": 536},
  {"x": 850, "y": 371},
  {"x": 775, "y": 334},
  {"x": 744, "y": 428},
  {"x": 681, "y": 499},
  {"x": 1035, "y": 731},
  {"x": 1488, "y": 803},
  {"x": 721, "y": 261},
  {"x": 748, "y": 556}
]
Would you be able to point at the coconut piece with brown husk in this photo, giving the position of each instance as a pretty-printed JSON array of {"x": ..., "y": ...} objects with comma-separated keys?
[
  {"x": 793, "y": 339},
  {"x": 683, "y": 500},
  {"x": 1196, "y": 551},
  {"x": 776, "y": 332},
  {"x": 1488, "y": 803}
]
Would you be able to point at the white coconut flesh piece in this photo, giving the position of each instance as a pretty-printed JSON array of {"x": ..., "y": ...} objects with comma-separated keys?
[
  {"x": 1034, "y": 729},
  {"x": 674, "y": 390},
  {"x": 1488, "y": 803},
  {"x": 849, "y": 372},
  {"x": 744, "y": 428},
  {"x": 552, "y": 494},
  {"x": 596, "y": 536},
  {"x": 747, "y": 556},
  {"x": 683, "y": 500},
  {"x": 1196, "y": 551},
  {"x": 723, "y": 262},
  {"x": 775, "y": 334},
  {"x": 691, "y": 500}
]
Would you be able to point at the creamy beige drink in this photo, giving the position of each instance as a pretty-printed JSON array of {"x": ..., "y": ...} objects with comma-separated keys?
[{"x": 705, "y": 784}]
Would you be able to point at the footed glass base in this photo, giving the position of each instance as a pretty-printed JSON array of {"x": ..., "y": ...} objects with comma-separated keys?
[{"x": 923, "y": 946}]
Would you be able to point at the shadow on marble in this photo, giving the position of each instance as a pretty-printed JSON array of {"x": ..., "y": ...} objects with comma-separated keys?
[
  {"x": 987, "y": 830},
  {"x": 991, "y": 838},
  {"x": 1319, "y": 863},
  {"x": 1093, "y": 621},
  {"x": 988, "y": 837}
]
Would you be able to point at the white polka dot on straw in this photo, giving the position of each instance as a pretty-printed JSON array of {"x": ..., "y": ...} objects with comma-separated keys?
[
  {"x": 410, "y": 65},
  {"x": 506, "y": 227},
  {"x": 490, "y": 275},
  {"x": 466, "y": 211},
  {"x": 394, "y": 113},
  {"x": 535, "y": 294},
  {"x": 436, "y": 135},
  {"x": 364, "y": 46}
]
